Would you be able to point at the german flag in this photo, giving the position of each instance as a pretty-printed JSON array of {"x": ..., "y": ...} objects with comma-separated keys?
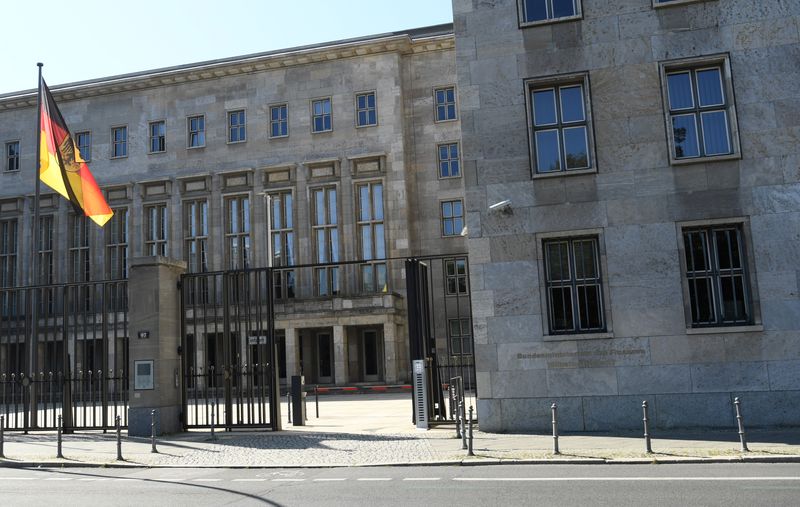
[{"x": 61, "y": 166}]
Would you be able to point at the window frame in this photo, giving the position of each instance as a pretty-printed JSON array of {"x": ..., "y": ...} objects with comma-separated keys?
[
  {"x": 189, "y": 131},
  {"x": 311, "y": 107},
  {"x": 456, "y": 276},
  {"x": 374, "y": 263},
  {"x": 272, "y": 122},
  {"x": 522, "y": 23},
  {"x": 283, "y": 266},
  {"x": 448, "y": 160},
  {"x": 436, "y": 104},
  {"x": 8, "y": 158},
  {"x": 242, "y": 128},
  {"x": 195, "y": 220},
  {"x": 113, "y": 244},
  {"x": 442, "y": 218},
  {"x": 330, "y": 268},
  {"x": 693, "y": 65},
  {"x": 150, "y": 136},
  {"x": 161, "y": 242},
  {"x": 558, "y": 82},
  {"x": 374, "y": 93},
  {"x": 10, "y": 253},
  {"x": 462, "y": 337},
  {"x": 76, "y": 140},
  {"x": 114, "y": 143},
  {"x": 242, "y": 235}
]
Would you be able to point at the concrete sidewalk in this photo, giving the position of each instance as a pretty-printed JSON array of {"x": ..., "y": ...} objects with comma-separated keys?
[{"x": 371, "y": 430}]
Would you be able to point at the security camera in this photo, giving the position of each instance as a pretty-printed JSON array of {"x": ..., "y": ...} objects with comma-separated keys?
[{"x": 502, "y": 206}]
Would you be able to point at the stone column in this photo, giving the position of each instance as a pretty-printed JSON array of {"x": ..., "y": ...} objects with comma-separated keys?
[
  {"x": 390, "y": 352},
  {"x": 155, "y": 335},
  {"x": 339, "y": 356},
  {"x": 292, "y": 367}
]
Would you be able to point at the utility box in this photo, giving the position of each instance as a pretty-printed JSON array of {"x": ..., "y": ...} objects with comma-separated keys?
[
  {"x": 420, "y": 394},
  {"x": 298, "y": 400}
]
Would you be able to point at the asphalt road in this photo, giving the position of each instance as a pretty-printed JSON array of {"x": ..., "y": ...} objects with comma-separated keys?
[{"x": 679, "y": 485}]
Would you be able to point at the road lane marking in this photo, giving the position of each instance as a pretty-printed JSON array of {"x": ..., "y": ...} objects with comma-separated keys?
[
  {"x": 621, "y": 479},
  {"x": 422, "y": 479},
  {"x": 374, "y": 479},
  {"x": 249, "y": 480},
  {"x": 288, "y": 480},
  {"x": 332, "y": 479},
  {"x": 17, "y": 478},
  {"x": 205, "y": 479},
  {"x": 58, "y": 479}
]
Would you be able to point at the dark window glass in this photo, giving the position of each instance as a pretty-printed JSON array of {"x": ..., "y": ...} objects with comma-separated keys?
[
  {"x": 279, "y": 121},
  {"x": 540, "y": 10},
  {"x": 445, "y": 103},
  {"x": 574, "y": 288},
  {"x": 560, "y": 129}
]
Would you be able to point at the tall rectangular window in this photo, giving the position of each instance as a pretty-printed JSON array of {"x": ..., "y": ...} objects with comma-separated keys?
[
  {"x": 452, "y": 217},
  {"x": 45, "y": 250},
  {"x": 325, "y": 232},
  {"x": 279, "y": 120},
  {"x": 237, "y": 231},
  {"x": 84, "y": 142},
  {"x": 560, "y": 128},
  {"x": 196, "y": 137},
  {"x": 449, "y": 166},
  {"x": 719, "y": 290},
  {"x": 573, "y": 284},
  {"x": 116, "y": 231},
  {"x": 156, "y": 230},
  {"x": 12, "y": 156},
  {"x": 119, "y": 142},
  {"x": 321, "y": 116},
  {"x": 8, "y": 263},
  {"x": 78, "y": 244},
  {"x": 195, "y": 229},
  {"x": 366, "y": 113},
  {"x": 282, "y": 238},
  {"x": 158, "y": 136},
  {"x": 237, "y": 128},
  {"x": 372, "y": 240},
  {"x": 456, "y": 276},
  {"x": 537, "y": 11},
  {"x": 445, "y": 103},
  {"x": 699, "y": 114},
  {"x": 459, "y": 332}
]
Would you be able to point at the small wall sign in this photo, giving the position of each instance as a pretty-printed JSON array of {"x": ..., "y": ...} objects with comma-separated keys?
[
  {"x": 143, "y": 335},
  {"x": 143, "y": 375}
]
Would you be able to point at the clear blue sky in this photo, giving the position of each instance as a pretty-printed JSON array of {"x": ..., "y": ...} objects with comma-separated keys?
[{"x": 89, "y": 39}]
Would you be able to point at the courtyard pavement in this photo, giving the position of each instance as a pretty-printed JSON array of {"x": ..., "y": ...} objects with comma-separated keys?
[{"x": 376, "y": 429}]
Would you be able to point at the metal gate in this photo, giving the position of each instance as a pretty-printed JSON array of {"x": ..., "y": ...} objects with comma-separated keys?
[
  {"x": 64, "y": 352},
  {"x": 229, "y": 350}
]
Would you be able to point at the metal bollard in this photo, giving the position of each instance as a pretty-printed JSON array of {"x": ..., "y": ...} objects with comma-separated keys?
[
  {"x": 316, "y": 395},
  {"x": 554, "y": 410},
  {"x": 119, "y": 440},
  {"x": 289, "y": 405},
  {"x": 2, "y": 437},
  {"x": 646, "y": 433},
  {"x": 740, "y": 422},
  {"x": 463, "y": 426},
  {"x": 305, "y": 403},
  {"x": 469, "y": 452},
  {"x": 153, "y": 431},
  {"x": 59, "y": 454},
  {"x": 213, "y": 423}
]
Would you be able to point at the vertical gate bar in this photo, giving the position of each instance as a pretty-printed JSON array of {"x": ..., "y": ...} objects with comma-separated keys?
[
  {"x": 29, "y": 346},
  {"x": 184, "y": 363},
  {"x": 226, "y": 345},
  {"x": 104, "y": 338},
  {"x": 474, "y": 385},
  {"x": 259, "y": 384},
  {"x": 272, "y": 370},
  {"x": 126, "y": 342}
]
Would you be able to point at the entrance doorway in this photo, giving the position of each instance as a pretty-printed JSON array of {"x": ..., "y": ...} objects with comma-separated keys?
[
  {"x": 324, "y": 354},
  {"x": 371, "y": 355}
]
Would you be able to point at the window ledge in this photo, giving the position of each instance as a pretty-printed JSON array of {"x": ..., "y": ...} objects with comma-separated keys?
[
  {"x": 236, "y": 142},
  {"x": 529, "y": 24},
  {"x": 278, "y": 137},
  {"x": 704, "y": 160},
  {"x": 726, "y": 329},
  {"x": 195, "y": 147},
  {"x": 560, "y": 174},
  {"x": 11, "y": 171},
  {"x": 446, "y": 121},
  {"x": 568, "y": 337},
  {"x": 661, "y": 5}
]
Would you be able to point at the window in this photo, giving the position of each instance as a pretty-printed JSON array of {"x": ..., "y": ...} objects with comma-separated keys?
[
  {"x": 84, "y": 142},
  {"x": 119, "y": 142},
  {"x": 45, "y": 250},
  {"x": 459, "y": 332},
  {"x": 156, "y": 229},
  {"x": 719, "y": 291},
  {"x": 237, "y": 132},
  {"x": 452, "y": 218},
  {"x": 445, "y": 103},
  {"x": 449, "y": 166},
  {"x": 366, "y": 115},
  {"x": 325, "y": 231},
  {"x": 573, "y": 284},
  {"x": 279, "y": 120},
  {"x": 197, "y": 131},
  {"x": 117, "y": 245},
  {"x": 542, "y": 11},
  {"x": 8, "y": 264},
  {"x": 158, "y": 136},
  {"x": 700, "y": 119},
  {"x": 196, "y": 235},
  {"x": 79, "y": 266},
  {"x": 12, "y": 156},
  {"x": 282, "y": 238},
  {"x": 456, "y": 276},
  {"x": 321, "y": 115},
  {"x": 237, "y": 231},
  {"x": 560, "y": 134},
  {"x": 372, "y": 241}
]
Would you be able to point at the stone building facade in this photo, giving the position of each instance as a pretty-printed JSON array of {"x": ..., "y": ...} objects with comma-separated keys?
[
  {"x": 345, "y": 151},
  {"x": 650, "y": 151}
]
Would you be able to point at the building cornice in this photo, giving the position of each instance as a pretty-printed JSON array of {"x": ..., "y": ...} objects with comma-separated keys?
[{"x": 407, "y": 43}]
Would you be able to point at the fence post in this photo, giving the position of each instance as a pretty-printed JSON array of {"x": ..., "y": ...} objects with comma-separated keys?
[
  {"x": 119, "y": 439},
  {"x": 316, "y": 395},
  {"x": 58, "y": 438},
  {"x": 213, "y": 422},
  {"x": 554, "y": 409},
  {"x": 289, "y": 405},
  {"x": 153, "y": 431},
  {"x": 469, "y": 452},
  {"x": 646, "y": 433},
  {"x": 740, "y": 423},
  {"x": 462, "y": 409},
  {"x": 2, "y": 437}
]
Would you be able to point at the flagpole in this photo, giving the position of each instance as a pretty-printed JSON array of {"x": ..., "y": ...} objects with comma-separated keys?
[{"x": 33, "y": 277}]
